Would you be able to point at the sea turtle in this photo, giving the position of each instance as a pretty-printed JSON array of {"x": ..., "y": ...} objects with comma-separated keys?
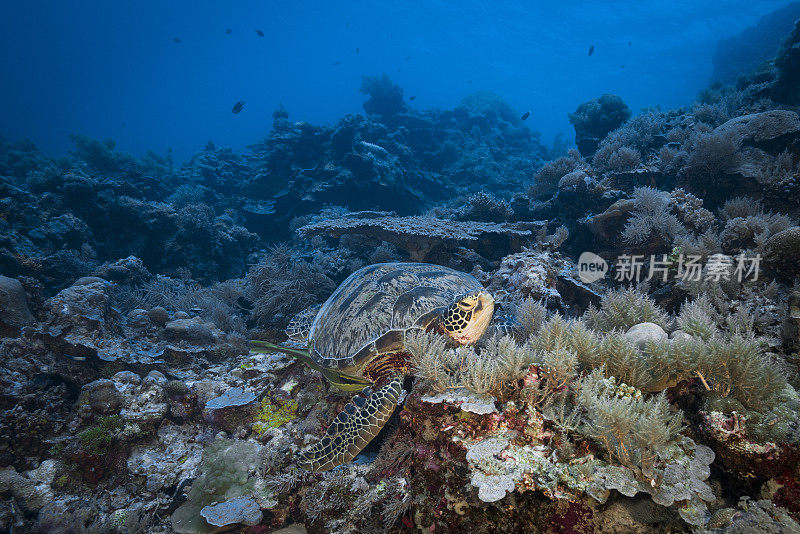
[{"x": 357, "y": 339}]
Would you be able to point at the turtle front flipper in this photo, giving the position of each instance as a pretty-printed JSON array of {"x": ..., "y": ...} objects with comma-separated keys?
[
  {"x": 353, "y": 428},
  {"x": 300, "y": 325}
]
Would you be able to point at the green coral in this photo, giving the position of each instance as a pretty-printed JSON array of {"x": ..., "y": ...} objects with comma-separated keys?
[
  {"x": 98, "y": 439},
  {"x": 273, "y": 414}
]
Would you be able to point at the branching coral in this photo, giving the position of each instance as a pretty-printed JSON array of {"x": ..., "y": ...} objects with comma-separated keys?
[
  {"x": 531, "y": 315},
  {"x": 620, "y": 309},
  {"x": 712, "y": 154},
  {"x": 498, "y": 360},
  {"x": 546, "y": 180},
  {"x": 485, "y": 207},
  {"x": 696, "y": 318},
  {"x": 631, "y": 428},
  {"x": 284, "y": 284},
  {"x": 220, "y": 303},
  {"x": 651, "y": 217},
  {"x": 615, "y": 157}
]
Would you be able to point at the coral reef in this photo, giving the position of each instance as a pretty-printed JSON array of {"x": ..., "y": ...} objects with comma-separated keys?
[
  {"x": 594, "y": 119},
  {"x": 129, "y": 401}
]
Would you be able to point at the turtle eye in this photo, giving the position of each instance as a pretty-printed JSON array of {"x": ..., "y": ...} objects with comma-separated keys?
[{"x": 467, "y": 303}]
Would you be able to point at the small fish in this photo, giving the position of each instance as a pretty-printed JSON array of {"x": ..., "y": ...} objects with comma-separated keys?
[
  {"x": 260, "y": 33},
  {"x": 228, "y": 31},
  {"x": 408, "y": 58},
  {"x": 412, "y": 97},
  {"x": 629, "y": 43},
  {"x": 525, "y": 115},
  {"x": 176, "y": 40},
  {"x": 358, "y": 50},
  {"x": 591, "y": 50},
  {"x": 337, "y": 63},
  {"x": 76, "y": 358},
  {"x": 237, "y": 107},
  {"x": 124, "y": 124}
]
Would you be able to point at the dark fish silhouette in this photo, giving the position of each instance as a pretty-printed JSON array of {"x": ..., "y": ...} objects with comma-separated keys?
[
  {"x": 337, "y": 63},
  {"x": 408, "y": 58},
  {"x": 591, "y": 50},
  {"x": 358, "y": 50},
  {"x": 629, "y": 43},
  {"x": 124, "y": 124},
  {"x": 260, "y": 33},
  {"x": 176, "y": 40},
  {"x": 525, "y": 115},
  {"x": 228, "y": 31},
  {"x": 237, "y": 107},
  {"x": 412, "y": 97}
]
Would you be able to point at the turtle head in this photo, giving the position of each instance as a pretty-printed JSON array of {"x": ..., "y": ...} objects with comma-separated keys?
[{"x": 467, "y": 318}]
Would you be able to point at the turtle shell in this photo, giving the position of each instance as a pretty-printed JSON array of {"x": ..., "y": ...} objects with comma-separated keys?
[{"x": 369, "y": 313}]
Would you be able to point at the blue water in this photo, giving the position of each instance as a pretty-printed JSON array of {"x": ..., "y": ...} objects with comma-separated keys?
[{"x": 113, "y": 69}]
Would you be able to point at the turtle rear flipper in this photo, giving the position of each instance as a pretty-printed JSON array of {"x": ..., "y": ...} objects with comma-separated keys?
[
  {"x": 300, "y": 325},
  {"x": 353, "y": 428}
]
